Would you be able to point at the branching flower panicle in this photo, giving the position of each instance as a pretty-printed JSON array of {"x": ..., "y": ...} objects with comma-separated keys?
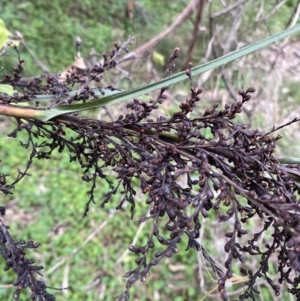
[{"x": 233, "y": 168}]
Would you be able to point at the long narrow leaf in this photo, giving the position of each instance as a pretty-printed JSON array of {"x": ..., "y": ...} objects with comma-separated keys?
[{"x": 46, "y": 115}]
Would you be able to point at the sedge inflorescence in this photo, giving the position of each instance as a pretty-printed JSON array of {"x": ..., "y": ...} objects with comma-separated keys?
[{"x": 184, "y": 173}]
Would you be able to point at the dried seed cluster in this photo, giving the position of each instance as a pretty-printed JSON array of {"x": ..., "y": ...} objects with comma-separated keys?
[
  {"x": 14, "y": 254},
  {"x": 233, "y": 169}
]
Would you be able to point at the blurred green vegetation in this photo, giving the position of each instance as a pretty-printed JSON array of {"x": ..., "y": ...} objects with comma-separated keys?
[{"x": 50, "y": 28}]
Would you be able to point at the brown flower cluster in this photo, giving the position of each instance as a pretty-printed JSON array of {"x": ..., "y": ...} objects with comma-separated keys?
[{"x": 183, "y": 173}]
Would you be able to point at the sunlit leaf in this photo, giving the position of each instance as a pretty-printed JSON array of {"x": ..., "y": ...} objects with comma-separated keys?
[
  {"x": 7, "y": 89},
  {"x": 5, "y": 35}
]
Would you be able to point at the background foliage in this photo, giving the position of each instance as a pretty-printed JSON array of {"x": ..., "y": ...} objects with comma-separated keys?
[{"x": 86, "y": 253}]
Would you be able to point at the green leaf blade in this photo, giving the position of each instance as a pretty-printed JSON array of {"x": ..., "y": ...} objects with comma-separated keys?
[{"x": 117, "y": 97}]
